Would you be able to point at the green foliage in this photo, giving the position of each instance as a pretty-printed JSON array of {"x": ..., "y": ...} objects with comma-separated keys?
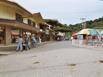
[
  {"x": 89, "y": 24},
  {"x": 53, "y": 22},
  {"x": 77, "y": 27},
  {"x": 58, "y": 26}
]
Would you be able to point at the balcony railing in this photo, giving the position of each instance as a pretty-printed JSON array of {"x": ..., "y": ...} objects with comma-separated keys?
[{"x": 16, "y": 24}]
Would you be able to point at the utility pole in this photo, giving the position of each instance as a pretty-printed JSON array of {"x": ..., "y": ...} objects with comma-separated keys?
[{"x": 83, "y": 23}]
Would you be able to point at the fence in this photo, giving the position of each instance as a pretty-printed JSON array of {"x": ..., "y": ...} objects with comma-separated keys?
[{"x": 80, "y": 43}]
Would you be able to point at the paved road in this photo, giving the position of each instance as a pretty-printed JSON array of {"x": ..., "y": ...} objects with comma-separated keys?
[{"x": 59, "y": 59}]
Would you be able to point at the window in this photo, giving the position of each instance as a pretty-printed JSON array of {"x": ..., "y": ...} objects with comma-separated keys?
[
  {"x": 29, "y": 22},
  {"x": 33, "y": 24},
  {"x": 41, "y": 27},
  {"x": 2, "y": 35},
  {"x": 19, "y": 18}
]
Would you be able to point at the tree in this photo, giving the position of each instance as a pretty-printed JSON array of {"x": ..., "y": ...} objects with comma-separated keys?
[{"x": 58, "y": 26}]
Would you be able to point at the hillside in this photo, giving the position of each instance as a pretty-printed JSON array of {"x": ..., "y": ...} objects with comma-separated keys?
[{"x": 97, "y": 23}]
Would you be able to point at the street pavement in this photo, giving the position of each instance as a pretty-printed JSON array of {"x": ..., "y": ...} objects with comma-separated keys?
[{"x": 57, "y": 59}]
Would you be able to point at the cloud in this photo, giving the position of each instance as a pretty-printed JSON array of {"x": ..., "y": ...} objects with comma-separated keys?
[{"x": 67, "y": 11}]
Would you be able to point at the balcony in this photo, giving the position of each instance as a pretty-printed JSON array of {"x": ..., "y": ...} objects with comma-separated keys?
[{"x": 16, "y": 24}]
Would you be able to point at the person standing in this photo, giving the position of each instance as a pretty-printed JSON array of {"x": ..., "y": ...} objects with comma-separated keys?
[{"x": 19, "y": 45}]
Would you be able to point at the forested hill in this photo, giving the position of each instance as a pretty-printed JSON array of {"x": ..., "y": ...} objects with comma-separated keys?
[{"x": 97, "y": 23}]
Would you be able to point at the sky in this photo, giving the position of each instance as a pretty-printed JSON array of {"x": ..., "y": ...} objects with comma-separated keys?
[{"x": 66, "y": 11}]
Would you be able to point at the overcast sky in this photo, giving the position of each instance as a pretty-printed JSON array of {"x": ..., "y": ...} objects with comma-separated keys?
[{"x": 66, "y": 11}]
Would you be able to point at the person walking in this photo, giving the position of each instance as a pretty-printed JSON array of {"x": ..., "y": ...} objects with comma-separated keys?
[
  {"x": 19, "y": 45},
  {"x": 27, "y": 42},
  {"x": 33, "y": 41},
  {"x": 39, "y": 39}
]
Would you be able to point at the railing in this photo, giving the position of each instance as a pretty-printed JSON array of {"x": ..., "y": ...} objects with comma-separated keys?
[
  {"x": 80, "y": 43},
  {"x": 17, "y": 24},
  {"x": 6, "y": 20}
]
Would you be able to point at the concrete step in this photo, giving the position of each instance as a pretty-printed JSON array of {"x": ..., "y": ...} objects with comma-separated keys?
[{"x": 8, "y": 48}]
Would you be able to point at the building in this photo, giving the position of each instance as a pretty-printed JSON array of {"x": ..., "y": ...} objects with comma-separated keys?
[
  {"x": 16, "y": 20},
  {"x": 43, "y": 26},
  {"x": 45, "y": 29}
]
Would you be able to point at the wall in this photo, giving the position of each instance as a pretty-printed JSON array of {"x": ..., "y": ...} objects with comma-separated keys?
[{"x": 7, "y": 12}]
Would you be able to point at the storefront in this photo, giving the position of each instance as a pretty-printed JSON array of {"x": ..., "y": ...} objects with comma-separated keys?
[
  {"x": 18, "y": 21},
  {"x": 2, "y": 35},
  {"x": 10, "y": 30}
]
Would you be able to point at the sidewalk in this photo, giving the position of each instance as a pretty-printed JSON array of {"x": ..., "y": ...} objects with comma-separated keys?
[
  {"x": 7, "y": 52},
  {"x": 63, "y": 61}
]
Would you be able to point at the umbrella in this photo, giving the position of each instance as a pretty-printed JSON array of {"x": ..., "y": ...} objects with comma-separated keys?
[
  {"x": 92, "y": 32},
  {"x": 74, "y": 34}
]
